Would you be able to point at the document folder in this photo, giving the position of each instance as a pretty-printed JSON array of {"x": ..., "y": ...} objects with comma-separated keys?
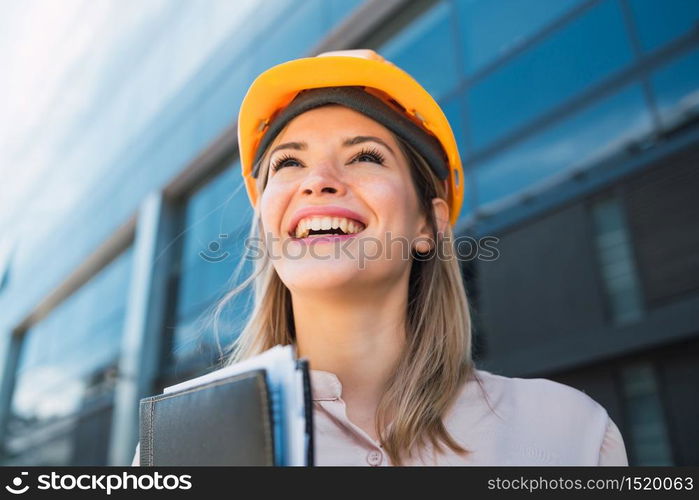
[{"x": 257, "y": 412}]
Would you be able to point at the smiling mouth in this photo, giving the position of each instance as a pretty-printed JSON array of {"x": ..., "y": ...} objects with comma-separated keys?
[{"x": 309, "y": 227}]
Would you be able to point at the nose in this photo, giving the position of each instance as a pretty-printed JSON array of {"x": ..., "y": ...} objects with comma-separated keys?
[{"x": 322, "y": 179}]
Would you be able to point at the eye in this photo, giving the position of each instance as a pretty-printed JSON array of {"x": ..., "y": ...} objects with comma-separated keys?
[
  {"x": 283, "y": 161},
  {"x": 371, "y": 155}
]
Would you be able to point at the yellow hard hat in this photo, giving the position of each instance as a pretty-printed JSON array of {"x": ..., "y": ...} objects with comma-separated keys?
[{"x": 269, "y": 96}]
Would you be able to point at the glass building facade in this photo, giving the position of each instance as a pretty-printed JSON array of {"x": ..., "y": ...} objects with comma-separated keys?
[{"x": 577, "y": 126}]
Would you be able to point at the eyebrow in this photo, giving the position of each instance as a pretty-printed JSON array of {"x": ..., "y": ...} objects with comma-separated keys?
[
  {"x": 366, "y": 138},
  {"x": 349, "y": 141}
]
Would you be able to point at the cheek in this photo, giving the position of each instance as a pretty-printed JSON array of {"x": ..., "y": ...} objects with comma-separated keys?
[
  {"x": 386, "y": 190},
  {"x": 273, "y": 203},
  {"x": 393, "y": 200}
]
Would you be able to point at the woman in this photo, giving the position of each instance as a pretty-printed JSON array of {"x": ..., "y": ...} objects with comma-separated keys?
[{"x": 356, "y": 181}]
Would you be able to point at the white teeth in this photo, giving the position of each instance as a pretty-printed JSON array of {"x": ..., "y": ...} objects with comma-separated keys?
[{"x": 318, "y": 223}]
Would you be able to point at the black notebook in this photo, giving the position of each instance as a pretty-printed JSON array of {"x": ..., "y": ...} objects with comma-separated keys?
[{"x": 257, "y": 412}]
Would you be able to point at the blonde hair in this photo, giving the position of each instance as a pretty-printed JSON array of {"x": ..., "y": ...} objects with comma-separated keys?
[{"x": 436, "y": 360}]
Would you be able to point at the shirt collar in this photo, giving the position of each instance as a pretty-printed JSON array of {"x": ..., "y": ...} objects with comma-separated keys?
[{"x": 325, "y": 386}]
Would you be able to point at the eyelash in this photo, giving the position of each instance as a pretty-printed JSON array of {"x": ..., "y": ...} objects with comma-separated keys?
[{"x": 378, "y": 157}]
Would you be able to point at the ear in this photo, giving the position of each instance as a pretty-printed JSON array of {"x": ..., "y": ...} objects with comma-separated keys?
[{"x": 441, "y": 215}]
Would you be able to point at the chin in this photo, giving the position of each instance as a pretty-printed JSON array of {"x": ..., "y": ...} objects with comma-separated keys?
[{"x": 315, "y": 274}]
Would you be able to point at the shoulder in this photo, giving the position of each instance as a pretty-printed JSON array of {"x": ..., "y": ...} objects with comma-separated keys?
[
  {"x": 539, "y": 396},
  {"x": 557, "y": 421}
]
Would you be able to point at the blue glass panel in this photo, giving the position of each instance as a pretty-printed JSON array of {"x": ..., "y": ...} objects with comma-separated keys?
[
  {"x": 426, "y": 50},
  {"x": 489, "y": 29},
  {"x": 469, "y": 204},
  {"x": 291, "y": 37},
  {"x": 616, "y": 263},
  {"x": 216, "y": 216},
  {"x": 195, "y": 338},
  {"x": 217, "y": 221},
  {"x": 648, "y": 438},
  {"x": 453, "y": 109},
  {"x": 660, "y": 22},
  {"x": 340, "y": 9},
  {"x": 574, "y": 58},
  {"x": 68, "y": 360},
  {"x": 179, "y": 144},
  {"x": 595, "y": 132},
  {"x": 220, "y": 104},
  {"x": 676, "y": 89}
]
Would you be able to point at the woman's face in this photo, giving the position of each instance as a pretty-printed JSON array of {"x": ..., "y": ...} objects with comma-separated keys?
[{"x": 339, "y": 208}]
